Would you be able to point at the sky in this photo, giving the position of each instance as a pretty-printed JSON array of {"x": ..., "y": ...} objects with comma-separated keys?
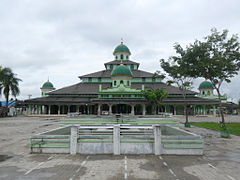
[{"x": 61, "y": 40}]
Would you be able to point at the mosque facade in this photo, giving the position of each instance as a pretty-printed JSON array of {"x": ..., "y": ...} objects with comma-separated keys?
[{"x": 118, "y": 89}]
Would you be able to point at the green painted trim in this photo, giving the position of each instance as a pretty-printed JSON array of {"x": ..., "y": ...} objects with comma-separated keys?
[
  {"x": 95, "y": 140},
  {"x": 182, "y": 140},
  {"x": 136, "y": 140},
  {"x": 50, "y": 140},
  {"x": 183, "y": 146},
  {"x": 57, "y": 145}
]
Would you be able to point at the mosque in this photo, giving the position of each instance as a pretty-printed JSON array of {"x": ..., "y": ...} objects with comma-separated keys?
[{"x": 118, "y": 89}]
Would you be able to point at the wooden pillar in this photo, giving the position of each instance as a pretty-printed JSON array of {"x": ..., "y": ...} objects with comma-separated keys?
[
  {"x": 110, "y": 109},
  {"x": 132, "y": 110},
  {"x": 175, "y": 110},
  {"x": 214, "y": 111},
  {"x": 49, "y": 109},
  {"x": 29, "y": 109},
  {"x": 59, "y": 109},
  {"x": 68, "y": 108},
  {"x": 41, "y": 110},
  {"x": 88, "y": 109},
  {"x": 99, "y": 109},
  {"x": 144, "y": 109},
  {"x": 204, "y": 110}
]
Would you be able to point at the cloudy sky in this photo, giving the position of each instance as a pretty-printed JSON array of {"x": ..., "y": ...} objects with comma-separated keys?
[{"x": 62, "y": 39}]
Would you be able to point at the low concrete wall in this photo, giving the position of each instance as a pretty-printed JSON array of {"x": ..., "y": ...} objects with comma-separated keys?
[
  {"x": 137, "y": 148},
  {"x": 51, "y": 150},
  {"x": 95, "y": 148},
  {"x": 83, "y": 121},
  {"x": 183, "y": 144}
]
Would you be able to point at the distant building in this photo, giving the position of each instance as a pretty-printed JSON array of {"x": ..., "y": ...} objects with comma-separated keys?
[
  {"x": 206, "y": 91},
  {"x": 46, "y": 88},
  {"x": 118, "y": 89}
]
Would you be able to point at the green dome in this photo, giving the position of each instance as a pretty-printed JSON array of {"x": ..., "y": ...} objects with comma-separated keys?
[
  {"x": 121, "y": 70},
  {"x": 206, "y": 85},
  {"x": 47, "y": 85},
  {"x": 121, "y": 48}
]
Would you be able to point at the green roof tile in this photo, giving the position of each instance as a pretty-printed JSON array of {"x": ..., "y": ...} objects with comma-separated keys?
[
  {"x": 121, "y": 48},
  {"x": 121, "y": 70}
]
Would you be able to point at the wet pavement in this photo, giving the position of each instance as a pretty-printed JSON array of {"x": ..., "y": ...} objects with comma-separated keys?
[{"x": 221, "y": 159}]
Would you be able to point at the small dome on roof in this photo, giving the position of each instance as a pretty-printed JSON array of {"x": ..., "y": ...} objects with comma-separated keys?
[
  {"x": 121, "y": 48},
  {"x": 121, "y": 70},
  {"x": 47, "y": 84},
  {"x": 206, "y": 85}
]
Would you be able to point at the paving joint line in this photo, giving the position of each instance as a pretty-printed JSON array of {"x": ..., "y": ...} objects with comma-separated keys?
[
  {"x": 41, "y": 163},
  {"x": 230, "y": 177},
  {"x": 34, "y": 168},
  {"x": 82, "y": 164},
  {"x": 170, "y": 170},
  {"x": 125, "y": 168}
]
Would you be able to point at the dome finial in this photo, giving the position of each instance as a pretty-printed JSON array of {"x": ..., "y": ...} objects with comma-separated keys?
[{"x": 121, "y": 40}]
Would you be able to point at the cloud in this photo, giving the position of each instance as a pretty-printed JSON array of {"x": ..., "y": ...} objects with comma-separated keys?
[{"x": 64, "y": 39}]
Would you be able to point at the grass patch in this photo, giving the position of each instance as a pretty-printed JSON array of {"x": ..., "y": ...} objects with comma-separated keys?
[{"x": 233, "y": 128}]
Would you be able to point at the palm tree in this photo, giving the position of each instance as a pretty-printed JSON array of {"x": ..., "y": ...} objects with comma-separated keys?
[{"x": 9, "y": 83}]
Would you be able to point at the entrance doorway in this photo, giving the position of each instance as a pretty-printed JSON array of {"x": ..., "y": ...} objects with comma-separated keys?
[{"x": 121, "y": 109}]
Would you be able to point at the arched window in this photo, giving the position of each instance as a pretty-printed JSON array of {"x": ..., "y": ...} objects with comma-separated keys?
[
  {"x": 121, "y": 56},
  {"x": 128, "y": 83},
  {"x": 208, "y": 92},
  {"x": 116, "y": 57},
  {"x": 203, "y": 93},
  {"x": 115, "y": 83},
  {"x": 126, "y": 57},
  {"x": 121, "y": 82}
]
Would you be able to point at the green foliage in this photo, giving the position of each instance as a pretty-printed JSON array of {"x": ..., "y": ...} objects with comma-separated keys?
[
  {"x": 217, "y": 58},
  {"x": 233, "y": 128},
  {"x": 176, "y": 68},
  {"x": 9, "y": 83},
  {"x": 155, "y": 96}
]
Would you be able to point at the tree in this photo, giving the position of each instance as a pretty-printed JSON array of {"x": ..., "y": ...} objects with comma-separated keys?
[
  {"x": 9, "y": 83},
  {"x": 216, "y": 58},
  {"x": 176, "y": 69},
  {"x": 155, "y": 96}
]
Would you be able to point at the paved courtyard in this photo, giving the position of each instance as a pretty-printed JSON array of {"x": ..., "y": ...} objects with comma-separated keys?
[{"x": 221, "y": 159}]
